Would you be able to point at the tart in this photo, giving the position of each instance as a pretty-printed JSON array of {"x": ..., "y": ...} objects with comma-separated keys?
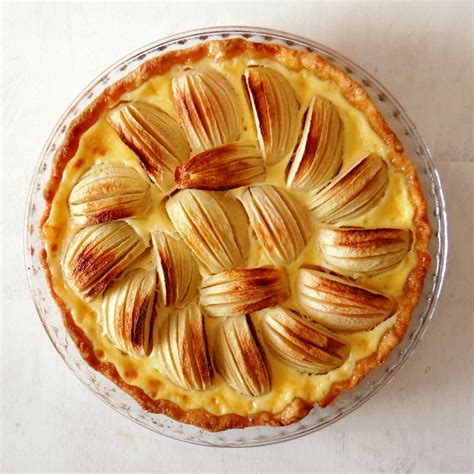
[{"x": 234, "y": 235}]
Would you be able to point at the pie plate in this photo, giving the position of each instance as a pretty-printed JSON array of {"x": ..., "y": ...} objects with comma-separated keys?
[{"x": 318, "y": 418}]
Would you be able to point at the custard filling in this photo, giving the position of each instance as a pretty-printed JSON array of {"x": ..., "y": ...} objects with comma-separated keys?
[{"x": 101, "y": 144}]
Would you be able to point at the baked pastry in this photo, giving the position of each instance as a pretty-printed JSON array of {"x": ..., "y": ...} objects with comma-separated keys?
[{"x": 234, "y": 235}]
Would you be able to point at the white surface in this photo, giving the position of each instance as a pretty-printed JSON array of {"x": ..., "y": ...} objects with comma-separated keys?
[{"x": 423, "y": 421}]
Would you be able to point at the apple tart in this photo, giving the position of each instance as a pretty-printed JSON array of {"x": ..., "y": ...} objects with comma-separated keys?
[{"x": 234, "y": 235}]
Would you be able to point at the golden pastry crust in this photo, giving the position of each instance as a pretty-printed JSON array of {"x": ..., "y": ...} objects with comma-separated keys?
[{"x": 358, "y": 98}]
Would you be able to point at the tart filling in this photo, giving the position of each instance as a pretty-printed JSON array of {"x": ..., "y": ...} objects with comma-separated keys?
[{"x": 277, "y": 229}]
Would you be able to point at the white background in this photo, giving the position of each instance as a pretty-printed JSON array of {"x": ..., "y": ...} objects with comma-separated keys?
[{"x": 423, "y": 421}]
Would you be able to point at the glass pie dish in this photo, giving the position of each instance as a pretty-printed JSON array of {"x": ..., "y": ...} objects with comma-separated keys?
[{"x": 317, "y": 418}]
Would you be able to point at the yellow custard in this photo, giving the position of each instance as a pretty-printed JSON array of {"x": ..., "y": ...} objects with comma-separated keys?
[{"x": 101, "y": 144}]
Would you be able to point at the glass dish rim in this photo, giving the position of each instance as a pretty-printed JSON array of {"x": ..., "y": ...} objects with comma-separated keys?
[{"x": 270, "y": 35}]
